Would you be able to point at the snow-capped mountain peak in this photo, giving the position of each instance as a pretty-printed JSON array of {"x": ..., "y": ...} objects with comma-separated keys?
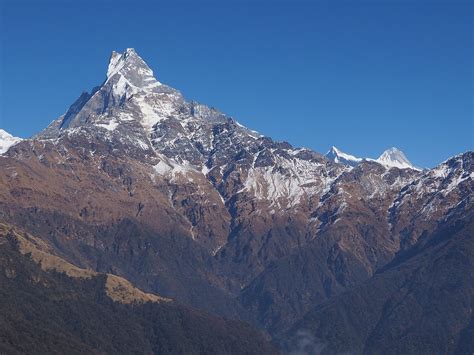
[
  {"x": 132, "y": 108},
  {"x": 339, "y": 156},
  {"x": 7, "y": 140},
  {"x": 130, "y": 94},
  {"x": 394, "y": 157},
  {"x": 132, "y": 70}
]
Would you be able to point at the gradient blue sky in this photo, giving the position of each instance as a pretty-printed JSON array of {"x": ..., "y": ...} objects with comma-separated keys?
[{"x": 360, "y": 75}]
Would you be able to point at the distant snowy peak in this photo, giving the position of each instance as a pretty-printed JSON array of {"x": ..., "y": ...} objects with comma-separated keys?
[
  {"x": 391, "y": 158},
  {"x": 395, "y": 158},
  {"x": 7, "y": 140},
  {"x": 339, "y": 156}
]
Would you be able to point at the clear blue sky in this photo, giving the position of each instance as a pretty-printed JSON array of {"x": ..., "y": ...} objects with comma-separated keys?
[{"x": 360, "y": 75}]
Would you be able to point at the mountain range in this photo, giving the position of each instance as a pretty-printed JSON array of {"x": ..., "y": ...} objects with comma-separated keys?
[{"x": 214, "y": 233}]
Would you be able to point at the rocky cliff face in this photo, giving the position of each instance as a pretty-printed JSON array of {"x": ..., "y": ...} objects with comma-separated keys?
[{"x": 182, "y": 200}]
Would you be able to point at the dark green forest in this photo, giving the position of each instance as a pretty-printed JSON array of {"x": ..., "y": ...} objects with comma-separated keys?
[{"x": 51, "y": 313}]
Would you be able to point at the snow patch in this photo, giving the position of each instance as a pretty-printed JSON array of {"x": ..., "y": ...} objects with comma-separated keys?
[
  {"x": 112, "y": 125},
  {"x": 289, "y": 182},
  {"x": 172, "y": 170}
]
